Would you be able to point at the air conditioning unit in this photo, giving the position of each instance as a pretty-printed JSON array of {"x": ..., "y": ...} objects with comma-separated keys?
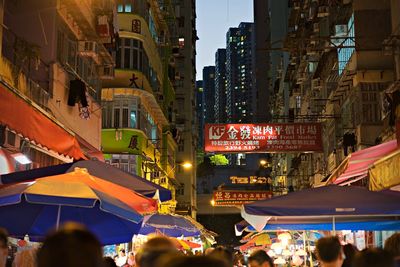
[
  {"x": 116, "y": 165},
  {"x": 172, "y": 61},
  {"x": 316, "y": 84},
  {"x": 341, "y": 30},
  {"x": 316, "y": 27},
  {"x": 323, "y": 11},
  {"x": 89, "y": 49},
  {"x": 106, "y": 72},
  {"x": 12, "y": 140}
]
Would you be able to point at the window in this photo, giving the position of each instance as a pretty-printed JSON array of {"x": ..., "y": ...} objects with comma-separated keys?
[
  {"x": 128, "y": 8},
  {"x": 120, "y": 8},
  {"x": 125, "y": 162},
  {"x": 116, "y": 117},
  {"x": 181, "y": 42},
  {"x": 298, "y": 101}
]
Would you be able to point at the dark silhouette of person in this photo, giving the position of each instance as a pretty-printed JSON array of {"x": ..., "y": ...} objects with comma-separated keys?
[
  {"x": 373, "y": 257},
  {"x": 70, "y": 246}
]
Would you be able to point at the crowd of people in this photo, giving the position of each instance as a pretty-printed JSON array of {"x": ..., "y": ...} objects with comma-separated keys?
[{"x": 74, "y": 246}]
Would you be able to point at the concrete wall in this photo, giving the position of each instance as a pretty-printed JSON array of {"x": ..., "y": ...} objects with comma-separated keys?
[{"x": 90, "y": 129}]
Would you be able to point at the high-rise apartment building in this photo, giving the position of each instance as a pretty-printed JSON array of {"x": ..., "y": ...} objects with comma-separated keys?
[
  {"x": 240, "y": 64},
  {"x": 200, "y": 113},
  {"x": 138, "y": 103},
  {"x": 220, "y": 86},
  {"x": 262, "y": 67},
  {"x": 209, "y": 94},
  {"x": 185, "y": 13}
]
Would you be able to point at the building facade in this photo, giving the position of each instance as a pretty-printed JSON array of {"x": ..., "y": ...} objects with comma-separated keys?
[
  {"x": 241, "y": 97},
  {"x": 185, "y": 11},
  {"x": 220, "y": 86},
  {"x": 53, "y": 60},
  {"x": 209, "y": 94},
  {"x": 336, "y": 75},
  {"x": 138, "y": 103},
  {"x": 200, "y": 112}
]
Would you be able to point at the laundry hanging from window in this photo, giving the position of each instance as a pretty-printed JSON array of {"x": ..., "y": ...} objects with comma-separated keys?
[{"x": 77, "y": 93}]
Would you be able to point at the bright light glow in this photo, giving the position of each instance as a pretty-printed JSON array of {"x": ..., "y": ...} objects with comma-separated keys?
[
  {"x": 286, "y": 252},
  {"x": 279, "y": 260},
  {"x": 284, "y": 236},
  {"x": 187, "y": 165},
  {"x": 271, "y": 253},
  {"x": 212, "y": 202},
  {"x": 22, "y": 159},
  {"x": 263, "y": 162},
  {"x": 276, "y": 246}
]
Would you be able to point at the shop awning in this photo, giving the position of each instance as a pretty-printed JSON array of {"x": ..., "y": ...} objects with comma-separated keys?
[
  {"x": 359, "y": 162},
  {"x": 90, "y": 150},
  {"x": 385, "y": 172},
  {"x": 22, "y": 117}
]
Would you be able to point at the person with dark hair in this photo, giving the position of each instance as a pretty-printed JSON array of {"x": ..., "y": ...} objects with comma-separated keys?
[
  {"x": 373, "y": 257},
  {"x": 153, "y": 249},
  {"x": 4, "y": 260},
  {"x": 71, "y": 246},
  {"x": 109, "y": 262},
  {"x": 392, "y": 245},
  {"x": 330, "y": 252},
  {"x": 349, "y": 251},
  {"x": 238, "y": 260},
  {"x": 260, "y": 258},
  {"x": 122, "y": 259},
  {"x": 222, "y": 253},
  {"x": 191, "y": 261}
]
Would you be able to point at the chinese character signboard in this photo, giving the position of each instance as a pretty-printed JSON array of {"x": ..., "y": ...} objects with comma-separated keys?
[
  {"x": 249, "y": 180},
  {"x": 273, "y": 137},
  {"x": 237, "y": 198}
]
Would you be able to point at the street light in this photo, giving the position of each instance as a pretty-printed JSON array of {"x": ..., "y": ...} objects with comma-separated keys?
[
  {"x": 263, "y": 162},
  {"x": 187, "y": 165},
  {"x": 212, "y": 202}
]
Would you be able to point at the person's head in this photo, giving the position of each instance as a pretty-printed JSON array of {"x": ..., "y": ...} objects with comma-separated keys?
[
  {"x": 329, "y": 251},
  {"x": 131, "y": 255},
  {"x": 260, "y": 258},
  {"x": 192, "y": 261},
  {"x": 153, "y": 249},
  {"x": 71, "y": 245},
  {"x": 122, "y": 253},
  {"x": 208, "y": 251},
  {"x": 373, "y": 257},
  {"x": 222, "y": 253},
  {"x": 392, "y": 245},
  {"x": 3, "y": 245},
  {"x": 238, "y": 259},
  {"x": 109, "y": 262},
  {"x": 349, "y": 251}
]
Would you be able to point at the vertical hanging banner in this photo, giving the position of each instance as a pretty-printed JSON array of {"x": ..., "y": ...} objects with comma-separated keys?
[{"x": 271, "y": 137}]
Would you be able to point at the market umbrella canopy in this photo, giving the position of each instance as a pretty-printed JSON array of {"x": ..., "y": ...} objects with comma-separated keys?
[
  {"x": 168, "y": 224},
  {"x": 110, "y": 211},
  {"x": 98, "y": 169},
  {"x": 323, "y": 224},
  {"x": 321, "y": 205}
]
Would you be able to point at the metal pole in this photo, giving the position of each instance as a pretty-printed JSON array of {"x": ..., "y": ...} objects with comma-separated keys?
[
  {"x": 333, "y": 225},
  {"x": 58, "y": 216}
]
